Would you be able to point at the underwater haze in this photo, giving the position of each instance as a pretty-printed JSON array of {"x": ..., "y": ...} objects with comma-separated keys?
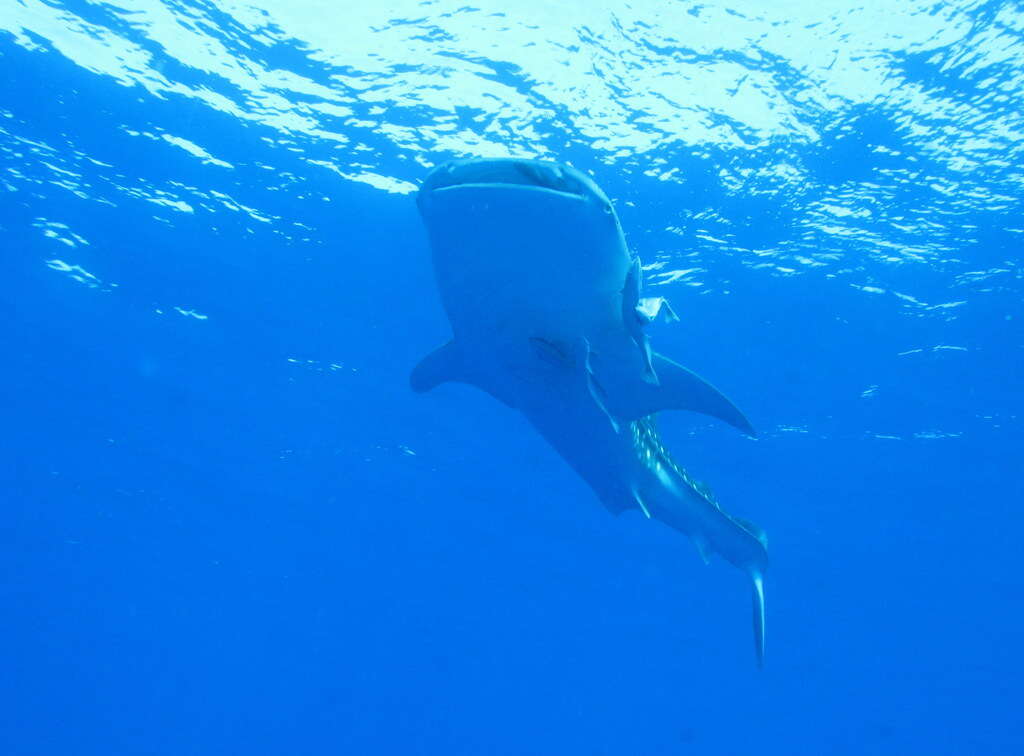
[{"x": 229, "y": 525}]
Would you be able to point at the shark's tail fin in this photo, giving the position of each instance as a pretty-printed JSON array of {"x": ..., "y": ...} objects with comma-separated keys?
[{"x": 757, "y": 581}]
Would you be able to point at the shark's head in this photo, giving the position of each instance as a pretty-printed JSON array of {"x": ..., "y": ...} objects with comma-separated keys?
[
  {"x": 537, "y": 239},
  {"x": 526, "y": 183}
]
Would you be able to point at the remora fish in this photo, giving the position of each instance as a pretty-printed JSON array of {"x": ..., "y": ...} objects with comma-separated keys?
[{"x": 545, "y": 304}]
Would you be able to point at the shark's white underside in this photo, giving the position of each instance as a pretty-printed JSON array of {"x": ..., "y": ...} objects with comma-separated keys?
[{"x": 544, "y": 300}]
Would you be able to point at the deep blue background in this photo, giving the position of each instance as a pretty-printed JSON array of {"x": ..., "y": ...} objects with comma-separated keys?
[{"x": 245, "y": 535}]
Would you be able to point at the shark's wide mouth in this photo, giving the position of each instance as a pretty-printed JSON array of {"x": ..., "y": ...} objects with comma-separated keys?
[{"x": 529, "y": 174}]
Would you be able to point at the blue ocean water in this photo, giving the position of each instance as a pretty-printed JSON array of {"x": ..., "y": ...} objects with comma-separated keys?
[{"x": 230, "y": 527}]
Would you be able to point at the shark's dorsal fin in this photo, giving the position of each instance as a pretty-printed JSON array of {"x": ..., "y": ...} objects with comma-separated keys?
[
  {"x": 753, "y": 529},
  {"x": 678, "y": 389},
  {"x": 442, "y": 365}
]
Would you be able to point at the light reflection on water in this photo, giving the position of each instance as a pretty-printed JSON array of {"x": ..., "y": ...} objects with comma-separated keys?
[{"x": 808, "y": 139}]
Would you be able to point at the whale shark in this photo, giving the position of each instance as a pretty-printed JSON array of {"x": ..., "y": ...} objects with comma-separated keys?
[{"x": 547, "y": 313}]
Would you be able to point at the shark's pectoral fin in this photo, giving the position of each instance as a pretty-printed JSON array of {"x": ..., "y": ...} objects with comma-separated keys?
[
  {"x": 446, "y": 364},
  {"x": 678, "y": 389},
  {"x": 442, "y": 365}
]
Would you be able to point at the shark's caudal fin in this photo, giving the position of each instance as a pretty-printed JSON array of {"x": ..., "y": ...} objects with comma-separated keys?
[
  {"x": 678, "y": 389},
  {"x": 757, "y": 581},
  {"x": 756, "y": 572}
]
